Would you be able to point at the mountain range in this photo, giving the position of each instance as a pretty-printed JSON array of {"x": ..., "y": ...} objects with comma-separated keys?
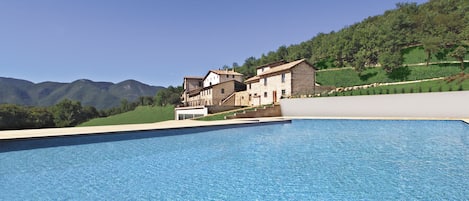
[{"x": 102, "y": 95}]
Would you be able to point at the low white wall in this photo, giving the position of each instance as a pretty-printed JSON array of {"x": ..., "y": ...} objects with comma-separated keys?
[
  {"x": 189, "y": 112},
  {"x": 424, "y": 105}
]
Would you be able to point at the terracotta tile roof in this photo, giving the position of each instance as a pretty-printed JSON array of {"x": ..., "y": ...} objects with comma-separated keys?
[
  {"x": 253, "y": 79},
  {"x": 283, "y": 67},
  {"x": 225, "y": 72},
  {"x": 194, "y": 77},
  {"x": 273, "y": 64}
]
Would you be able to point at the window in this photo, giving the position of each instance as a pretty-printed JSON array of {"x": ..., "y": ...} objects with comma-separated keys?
[
  {"x": 222, "y": 90},
  {"x": 265, "y": 94},
  {"x": 232, "y": 76},
  {"x": 265, "y": 81},
  {"x": 227, "y": 76},
  {"x": 283, "y": 77},
  {"x": 249, "y": 86},
  {"x": 200, "y": 84},
  {"x": 262, "y": 69},
  {"x": 283, "y": 92}
]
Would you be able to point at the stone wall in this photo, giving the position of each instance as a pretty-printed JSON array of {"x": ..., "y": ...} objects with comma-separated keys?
[
  {"x": 302, "y": 81},
  {"x": 267, "y": 111}
]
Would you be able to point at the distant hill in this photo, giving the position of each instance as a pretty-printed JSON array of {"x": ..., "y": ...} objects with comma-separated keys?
[{"x": 101, "y": 95}]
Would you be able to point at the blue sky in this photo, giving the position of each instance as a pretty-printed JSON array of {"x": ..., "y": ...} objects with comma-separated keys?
[{"x": 158, "y": 42}]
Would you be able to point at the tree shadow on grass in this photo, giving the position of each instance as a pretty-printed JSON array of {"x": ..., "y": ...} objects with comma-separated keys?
[
  {"x": 400, "y": 74},
  {"x": 365, "y": 77}
]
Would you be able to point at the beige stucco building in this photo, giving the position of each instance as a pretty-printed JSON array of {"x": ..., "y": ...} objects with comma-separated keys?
[
  {"x": 216, "y": 91},
  {"x": 224, "y": 89},
  {"x": 281, "y": 79},
  {"x": 214, "y": 77}
]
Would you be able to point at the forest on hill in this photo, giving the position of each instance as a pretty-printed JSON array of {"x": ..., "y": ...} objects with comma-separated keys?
[
  {"x": 101, "y": 95},
  {"x": 440, "y": 27}
]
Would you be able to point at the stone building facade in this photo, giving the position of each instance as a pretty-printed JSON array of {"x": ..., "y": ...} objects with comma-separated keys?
[
  {"x": 278, "y": 80},
  {"x": 190, "y": 84}
]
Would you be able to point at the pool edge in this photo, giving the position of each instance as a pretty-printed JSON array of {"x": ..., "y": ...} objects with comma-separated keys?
[{"x": 167, "y": 125}]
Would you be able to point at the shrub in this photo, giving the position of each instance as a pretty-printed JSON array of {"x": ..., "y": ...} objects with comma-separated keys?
[
  {"x": 402, "y": 91},
  {"x": 460, "y": 87},
  {"x": 411, "y": 90}
]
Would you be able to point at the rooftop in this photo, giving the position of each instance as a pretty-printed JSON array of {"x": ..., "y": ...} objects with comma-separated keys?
[
  {"x": 194, "y": 77},
  {"x": 273, "y": 64},
  {"x": 225, "y": 72},
  {"x": 283, "y": 67}
]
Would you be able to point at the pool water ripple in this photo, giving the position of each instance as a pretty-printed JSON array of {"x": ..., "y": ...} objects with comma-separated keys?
[{"x": 304, "y": 160}]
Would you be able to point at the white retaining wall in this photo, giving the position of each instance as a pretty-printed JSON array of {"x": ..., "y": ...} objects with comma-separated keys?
[{"x": 419, "y": 105}]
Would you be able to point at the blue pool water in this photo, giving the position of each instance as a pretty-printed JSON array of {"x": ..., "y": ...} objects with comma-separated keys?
[{"x": 304, "y": 160}]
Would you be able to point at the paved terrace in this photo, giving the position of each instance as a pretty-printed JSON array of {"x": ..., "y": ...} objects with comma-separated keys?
[{"x": 49, "y": 132}]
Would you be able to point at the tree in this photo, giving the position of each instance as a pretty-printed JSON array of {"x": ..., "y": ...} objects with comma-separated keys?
[
  {"x": 390, "y": 60},
  {"x": 235, "y": 66},
  {"x": 282, "y": 53},
  {"x": 431, "y": 45},
  {"x": 68, "y": 113},
  {"x": 41, "y": 117},
  {"x": 459, "y": 53},
  {"x": 13, "y": 117},
  {"x": 169, "y": 96},
  {"x": 360, "y": 61}
]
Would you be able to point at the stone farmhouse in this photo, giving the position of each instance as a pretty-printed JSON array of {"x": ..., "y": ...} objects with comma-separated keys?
[
  {"x": 213, "y": 93},
  {"x": 213, "y": 89},
  {"x": 223, "y": 90},
  {"x": 276, "y": 80}
]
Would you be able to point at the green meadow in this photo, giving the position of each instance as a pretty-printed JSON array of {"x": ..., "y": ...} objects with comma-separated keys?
[{"x": 142, "y": 114}]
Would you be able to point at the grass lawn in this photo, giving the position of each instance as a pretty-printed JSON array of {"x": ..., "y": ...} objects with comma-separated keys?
[
  {"x": 349, "y": 77},
  {"x": 415, "y": 55},
  {"x": 457, "y": 84},
  {"x": 142, "y": 114}
]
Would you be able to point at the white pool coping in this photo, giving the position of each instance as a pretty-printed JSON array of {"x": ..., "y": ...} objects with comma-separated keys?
[{"x": 172, "y": 124}]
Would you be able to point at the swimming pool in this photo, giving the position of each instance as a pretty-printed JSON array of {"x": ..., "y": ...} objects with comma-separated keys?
[{"x": 304, "y": 160}]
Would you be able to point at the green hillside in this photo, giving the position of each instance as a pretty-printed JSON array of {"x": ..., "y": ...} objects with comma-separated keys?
[
  {"x": 417, "y": 55},
  {"x": 349, "y": 77},
  {"x": 440, "y": 29},
  {"x": 142, "y": 114}
]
